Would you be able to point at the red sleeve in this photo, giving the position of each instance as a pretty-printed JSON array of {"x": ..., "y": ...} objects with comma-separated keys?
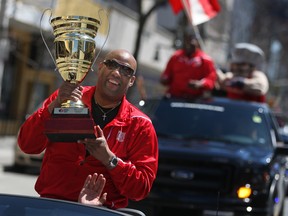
[
  {"x": 210, "y": 75},
  {"x": 168, "y": 72},
  {"x": 134, "y": 178},
  {"x": 31, "y": 138}
]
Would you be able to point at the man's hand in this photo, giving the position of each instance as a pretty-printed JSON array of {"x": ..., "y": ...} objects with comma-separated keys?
[
  {"x": 237, "y": 82},
  {"x": 98, "y": 147},
  {"x": 195, "y": 84},
  {"x": 69, "y": 91},
  {"x": 92, "y": 190}
]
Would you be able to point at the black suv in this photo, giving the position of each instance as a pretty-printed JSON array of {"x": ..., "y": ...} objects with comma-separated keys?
[{"x": 216, "y": 157}]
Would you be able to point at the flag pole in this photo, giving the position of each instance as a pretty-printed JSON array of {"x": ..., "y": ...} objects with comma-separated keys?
[{"x": 195, "y": 28}]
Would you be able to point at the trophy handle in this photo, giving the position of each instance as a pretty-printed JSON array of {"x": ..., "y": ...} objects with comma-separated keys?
[
  {"x": 41, "y": 32},
  {"x": 108, "y": 31},
  {"x": 50, "y": 53}
]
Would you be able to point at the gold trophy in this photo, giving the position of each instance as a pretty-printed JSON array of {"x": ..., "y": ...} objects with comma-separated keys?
[{"x": 75, "y": 49}]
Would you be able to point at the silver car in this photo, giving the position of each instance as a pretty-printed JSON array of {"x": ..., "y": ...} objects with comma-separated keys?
[{"x": 23, "y": 160}]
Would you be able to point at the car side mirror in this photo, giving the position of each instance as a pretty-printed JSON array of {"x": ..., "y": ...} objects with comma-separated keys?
[
  {"x": 284, "y": 138},
  {"x": 281, "y": 150}
]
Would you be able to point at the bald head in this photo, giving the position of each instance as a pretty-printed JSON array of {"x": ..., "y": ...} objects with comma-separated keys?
[{"x": 124, "y": 57}]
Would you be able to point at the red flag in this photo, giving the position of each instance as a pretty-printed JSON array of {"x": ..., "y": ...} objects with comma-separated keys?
[
  {"x": 198, "y": 11},
  {"x": 176, "y": 5}
]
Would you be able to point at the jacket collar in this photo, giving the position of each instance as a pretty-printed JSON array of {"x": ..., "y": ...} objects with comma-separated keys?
[{"x": 124, "y": 115}]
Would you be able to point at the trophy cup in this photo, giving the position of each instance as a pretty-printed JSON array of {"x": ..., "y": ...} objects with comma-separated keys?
[{"x": 75, "y": 49}]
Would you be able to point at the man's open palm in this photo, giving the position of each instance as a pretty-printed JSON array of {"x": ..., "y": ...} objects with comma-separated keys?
[{"x": 91, "y": 193}]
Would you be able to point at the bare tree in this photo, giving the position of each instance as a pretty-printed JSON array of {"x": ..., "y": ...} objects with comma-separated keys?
[{"x": 143, "y": 17}]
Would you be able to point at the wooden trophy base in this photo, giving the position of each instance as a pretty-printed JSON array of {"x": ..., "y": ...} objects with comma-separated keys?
[{"x": 69, "y": 127}]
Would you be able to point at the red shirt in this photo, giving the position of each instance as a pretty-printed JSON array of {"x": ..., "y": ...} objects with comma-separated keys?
[
  {"x": 130, "y": 135},
  {"x": 246, "y": 97},
  {"x": 239, "y": 94},
  {"x": 181, "y": 69}
]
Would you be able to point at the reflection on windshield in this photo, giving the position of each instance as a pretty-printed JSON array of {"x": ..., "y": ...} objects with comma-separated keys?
[{"x": 190, "y": 121}]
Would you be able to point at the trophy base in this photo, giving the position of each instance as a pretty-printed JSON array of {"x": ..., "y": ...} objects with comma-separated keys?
[
  {"x": 71, "y": 111},
  {"x": 69, "y": 128}
]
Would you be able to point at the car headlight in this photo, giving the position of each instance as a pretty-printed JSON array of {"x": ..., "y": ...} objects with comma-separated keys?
[{"x": 244, "y": 191}]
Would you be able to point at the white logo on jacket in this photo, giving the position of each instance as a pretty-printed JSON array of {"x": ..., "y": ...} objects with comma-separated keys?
[{"x": 120, "y": 136}]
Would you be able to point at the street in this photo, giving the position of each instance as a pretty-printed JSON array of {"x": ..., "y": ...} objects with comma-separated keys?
[
  {"x": 13, "y": 182},
  {"x": 17, "y": 183},
  {"x": 23, "y": 183}
]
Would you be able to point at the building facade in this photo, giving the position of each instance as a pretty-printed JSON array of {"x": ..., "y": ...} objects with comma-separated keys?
[{"x": 28, "y": 70}]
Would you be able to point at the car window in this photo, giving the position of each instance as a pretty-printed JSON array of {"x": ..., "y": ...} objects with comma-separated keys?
[{"x": 231, "y": 124}]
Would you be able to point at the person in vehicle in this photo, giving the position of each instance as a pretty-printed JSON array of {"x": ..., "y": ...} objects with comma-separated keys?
[
  {"x": 190, "y": 71},
  {"x": 125, "y": 150},
  {"x": 91, "y": 192},
  {"x": 245, "y": 80}
]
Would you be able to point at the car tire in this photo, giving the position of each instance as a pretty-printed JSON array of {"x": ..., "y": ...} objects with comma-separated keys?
[{"x": 19, "y": 168}]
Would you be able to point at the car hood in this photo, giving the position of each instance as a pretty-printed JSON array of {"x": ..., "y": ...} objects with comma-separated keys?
[{"x": 214, "y": 150}]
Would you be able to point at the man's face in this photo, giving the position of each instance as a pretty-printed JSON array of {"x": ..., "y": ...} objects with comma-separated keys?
[
  {"x": 116, "y": 75},
  {"x": 241, "y": 69},
  {"x": 190, "y": 44}
]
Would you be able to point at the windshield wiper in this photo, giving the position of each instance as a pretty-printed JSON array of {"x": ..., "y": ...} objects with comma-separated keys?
[
  {"x": 173, "y": 136},
  {"x": 215, "y": 139},
  {"x": 202, "y": 138}
]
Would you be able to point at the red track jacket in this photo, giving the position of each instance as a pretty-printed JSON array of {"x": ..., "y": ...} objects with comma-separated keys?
[
  {"x": 131, "y": 136},
  {"x": 180, "y": 69}
]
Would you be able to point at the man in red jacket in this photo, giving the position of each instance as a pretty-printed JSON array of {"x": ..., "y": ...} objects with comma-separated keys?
[
  {"x": 189, "y": 72},
  {"x": 125, "y": 151}
]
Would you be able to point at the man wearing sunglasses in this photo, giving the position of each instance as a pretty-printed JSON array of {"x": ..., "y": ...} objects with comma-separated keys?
[{"x": 124, "y": 153}]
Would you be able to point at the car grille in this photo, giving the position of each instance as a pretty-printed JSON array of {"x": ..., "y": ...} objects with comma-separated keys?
[
  {"x": 193, "y": 176},
  {"x": 36, "y": 159}
]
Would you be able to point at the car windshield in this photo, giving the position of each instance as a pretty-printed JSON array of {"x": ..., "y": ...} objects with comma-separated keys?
[{"x": 206, "y": 121}]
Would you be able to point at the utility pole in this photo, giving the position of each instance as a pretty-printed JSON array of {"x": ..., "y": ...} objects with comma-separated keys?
[
  {"x": 4, "y": 42},
  {"x": 2, "y": 14},
  {"x": 3, "y": 30}
]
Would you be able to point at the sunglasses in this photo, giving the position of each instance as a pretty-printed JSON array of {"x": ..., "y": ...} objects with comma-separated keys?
[{"x": 123, "y": 69}]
